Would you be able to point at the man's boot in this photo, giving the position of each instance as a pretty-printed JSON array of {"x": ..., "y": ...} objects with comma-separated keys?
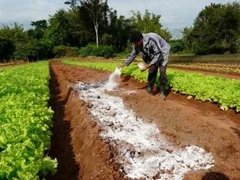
[
  {"x": 162, "y": 93},
  {"x": 150, "y": 89}
]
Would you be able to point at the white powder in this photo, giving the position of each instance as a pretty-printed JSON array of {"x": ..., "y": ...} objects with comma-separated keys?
[
  {"x": 112, "y": 82},
  {"x": 142, "y": 151}
]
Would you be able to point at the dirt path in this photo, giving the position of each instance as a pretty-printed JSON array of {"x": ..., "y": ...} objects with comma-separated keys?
[{"x": 83, "y": 154}]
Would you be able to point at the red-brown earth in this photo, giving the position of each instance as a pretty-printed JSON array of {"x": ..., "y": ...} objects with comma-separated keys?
[{"x": 83, "y": 154}]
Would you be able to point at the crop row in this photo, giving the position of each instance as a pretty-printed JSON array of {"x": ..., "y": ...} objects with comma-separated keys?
[
  {"x": 225, "y": 68},
  {"x": 223, "y": 91},
  {"x": 25, "y": 121}
]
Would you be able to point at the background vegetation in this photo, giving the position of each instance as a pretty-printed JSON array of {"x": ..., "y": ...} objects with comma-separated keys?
[{"x": 89, "y": 23}]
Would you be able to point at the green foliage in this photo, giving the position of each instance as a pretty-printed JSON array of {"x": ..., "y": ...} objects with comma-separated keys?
[
  {"x": 28, "y": 45},
  {"x": 149, "y": 22},
  {"x": 216, "y": 67},
  {"x": 16, "y": 34},
  {"x": 216, "y": 29},
  {"x": 82, "y": 24},
  {"x": 6, "y": 49},
  {"x": 15, "y": 37},
  {"x": 177, "y": 46},
  {"x": 58, "y": 31},
  {"x": 106, "y": 39},
  {"x": 119, "y": 30},
  {"x": 40, "y": 28},
  {"x": 34, "y": 50},
  {"x": 96, "y": 10},
  {"x": 205, "y": 88},
  {"x": 61, "y": 51},
  {"x": 25, "y": 122},
  {"x": 80, "y": 29},
  {"x": 187, "y": 39},
  {"x": 101, "y": 51}
]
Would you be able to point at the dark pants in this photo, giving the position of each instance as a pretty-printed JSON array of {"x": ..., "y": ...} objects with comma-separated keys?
[{"x": 152, "y": 74}]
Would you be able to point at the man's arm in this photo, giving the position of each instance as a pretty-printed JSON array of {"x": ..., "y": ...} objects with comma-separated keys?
[{"x": 131, "y": 56}]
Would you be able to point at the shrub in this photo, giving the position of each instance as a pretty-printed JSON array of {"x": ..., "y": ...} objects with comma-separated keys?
[
  {"x": 60, "y": 51},
  {"x": 101, "y": 51},
  {"x": 177, "y": 46},
  {"x": 6, "y": 49}
]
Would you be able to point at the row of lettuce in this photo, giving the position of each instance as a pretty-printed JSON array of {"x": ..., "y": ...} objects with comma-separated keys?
[
  {"x": 223, "y": 91},
  {"x": 225, "y": 68},
  {"x": 25, "y": 122}
]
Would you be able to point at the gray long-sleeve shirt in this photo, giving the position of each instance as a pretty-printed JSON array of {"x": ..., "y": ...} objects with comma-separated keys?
[{"x": 154, "y": 48}]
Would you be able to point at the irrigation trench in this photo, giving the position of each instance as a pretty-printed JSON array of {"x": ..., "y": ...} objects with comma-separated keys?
[{"x": 128, "y": 135}]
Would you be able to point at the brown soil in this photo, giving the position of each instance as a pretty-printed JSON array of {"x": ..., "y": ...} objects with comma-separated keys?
[{"x": 82, "y": 154}]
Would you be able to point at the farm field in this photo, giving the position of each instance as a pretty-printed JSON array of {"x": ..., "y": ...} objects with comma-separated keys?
[
  {"x": 197, "y": 139},
  {"x": 219, "y": 69},
  {"x": 90, "y": 92}
]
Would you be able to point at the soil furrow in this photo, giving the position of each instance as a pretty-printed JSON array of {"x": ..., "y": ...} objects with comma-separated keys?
[
  {"x": 80, "y": 152},
  {"x": 83, "y": 154}
]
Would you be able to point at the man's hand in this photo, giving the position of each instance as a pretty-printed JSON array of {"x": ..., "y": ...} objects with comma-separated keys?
[{"x": 145, "y": 68}]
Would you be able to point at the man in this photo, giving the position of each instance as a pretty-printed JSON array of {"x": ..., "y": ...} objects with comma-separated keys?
[{"x": 155, "y": 51}]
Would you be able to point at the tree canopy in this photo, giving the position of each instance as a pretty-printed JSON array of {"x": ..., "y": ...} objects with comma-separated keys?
[
  {"x": 149, "y": 22},
  {"x": 216, "y": 29},
  {"x": 96, "y": 9}
]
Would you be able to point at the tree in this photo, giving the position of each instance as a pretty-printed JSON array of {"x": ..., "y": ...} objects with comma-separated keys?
[
  {"x": 187, "y": 39},
  {"x": 177, "y": 45},
  {"x": 232, "y": 26},
  {"x": 216, "y": 28},
  {"x": 96, "y": 10},
  {"x": 118, "y": 31},
  {"x": 58, "y": 31},
  {"x": 39, "y": 29},
  {"x": 6, "y": 49},
  {"x": 149, "y": 22},
  {"x": 16, "y": 35},
  {"x": 80, "y": 30}
]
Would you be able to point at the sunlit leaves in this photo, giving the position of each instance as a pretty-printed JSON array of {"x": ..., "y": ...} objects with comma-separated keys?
[{"x": 25, "y": 119}]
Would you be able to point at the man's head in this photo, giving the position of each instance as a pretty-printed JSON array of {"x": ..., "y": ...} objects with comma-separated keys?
[{"x": 137, "y": 38}]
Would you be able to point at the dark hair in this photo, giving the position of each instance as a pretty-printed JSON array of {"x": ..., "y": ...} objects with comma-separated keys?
[{"x": 135, "y": 36}]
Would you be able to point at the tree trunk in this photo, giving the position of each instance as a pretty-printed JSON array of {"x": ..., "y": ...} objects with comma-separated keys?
[{"x": 96, "y": 33}]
